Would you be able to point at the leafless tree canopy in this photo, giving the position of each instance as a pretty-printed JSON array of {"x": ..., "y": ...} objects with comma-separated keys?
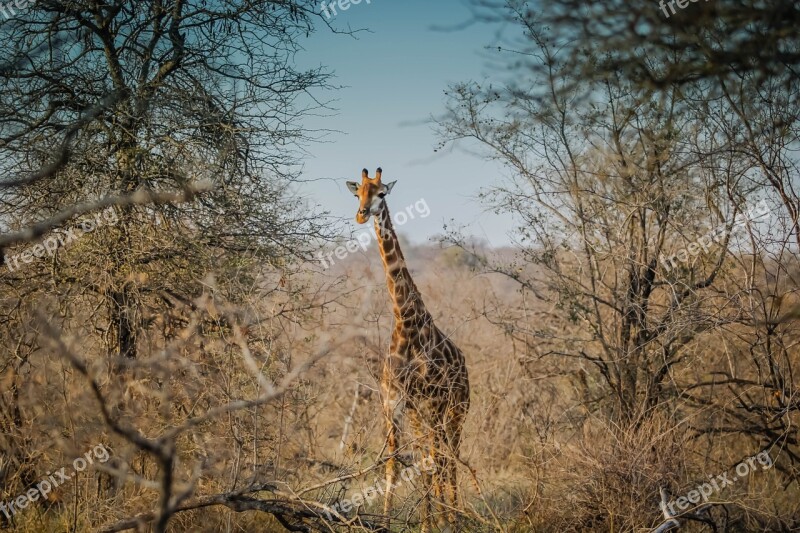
[{"x": 639, "y": 145}]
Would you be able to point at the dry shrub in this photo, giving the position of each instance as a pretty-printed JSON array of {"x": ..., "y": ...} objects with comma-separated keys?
[{"x": 608, "y": 478}]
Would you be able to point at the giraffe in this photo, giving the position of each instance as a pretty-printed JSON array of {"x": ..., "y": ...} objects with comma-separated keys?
[{"x": 424, "y": 374}]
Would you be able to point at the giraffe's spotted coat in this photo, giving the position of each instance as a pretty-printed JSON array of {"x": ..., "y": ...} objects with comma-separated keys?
[{"x": 424, "y": 374}]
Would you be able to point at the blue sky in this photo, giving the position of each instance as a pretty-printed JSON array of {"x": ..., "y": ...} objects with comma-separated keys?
[{"x": 395, "y": 75}]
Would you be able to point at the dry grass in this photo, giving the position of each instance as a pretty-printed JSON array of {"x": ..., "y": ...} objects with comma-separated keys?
[{"x": 544, "y": 455}]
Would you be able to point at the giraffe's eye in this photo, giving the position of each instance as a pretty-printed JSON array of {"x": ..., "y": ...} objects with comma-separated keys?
[{"x": 381, "y": 194}]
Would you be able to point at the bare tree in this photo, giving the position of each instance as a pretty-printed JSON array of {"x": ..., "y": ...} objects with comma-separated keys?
[
  {"x": 183, "y": 120},
  {"x": 189, "y": 92},
  {"x": 631, "y": 203}
]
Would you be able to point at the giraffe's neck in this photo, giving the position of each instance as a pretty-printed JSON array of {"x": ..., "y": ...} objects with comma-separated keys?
[{"x": 402, "y": 289}]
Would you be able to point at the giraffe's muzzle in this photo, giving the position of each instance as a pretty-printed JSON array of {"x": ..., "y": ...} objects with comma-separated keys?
[{"x": 363, "y": 215}]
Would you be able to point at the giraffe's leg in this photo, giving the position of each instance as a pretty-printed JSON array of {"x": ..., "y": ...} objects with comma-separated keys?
[
  {"x": 393, "y": 410},
  {"x": 440, "y": 476},
  {"x": 423, "y": 437},
  {"x": 449, "y": 444},
  {"x": 452, "y": 492},
  {"x": 427, "y": 487}
]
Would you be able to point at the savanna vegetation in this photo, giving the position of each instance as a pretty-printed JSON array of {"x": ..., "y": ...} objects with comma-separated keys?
[{"x": 638, "y": 340}]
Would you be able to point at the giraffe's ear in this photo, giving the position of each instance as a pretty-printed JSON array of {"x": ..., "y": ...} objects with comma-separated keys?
[
  {"x": 353, "y": 186},
  {"x": 387, "y": 187}
]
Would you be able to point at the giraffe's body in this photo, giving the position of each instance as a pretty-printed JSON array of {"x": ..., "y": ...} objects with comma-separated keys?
[{"x": 424, "y": 374}]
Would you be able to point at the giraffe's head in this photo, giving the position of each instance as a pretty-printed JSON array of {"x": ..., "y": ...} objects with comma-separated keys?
[{"x": 370, "y": 194}]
